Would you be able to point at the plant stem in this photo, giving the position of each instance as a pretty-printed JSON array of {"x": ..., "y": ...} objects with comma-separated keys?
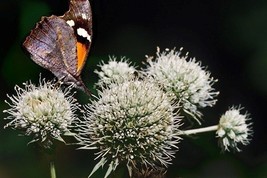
[
  {"x": 200, "y": 130},
  {"x": 52, "y": 170}
]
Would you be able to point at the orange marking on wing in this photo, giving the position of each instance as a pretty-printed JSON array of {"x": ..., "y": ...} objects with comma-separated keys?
[{"x": 81, "y": 55}]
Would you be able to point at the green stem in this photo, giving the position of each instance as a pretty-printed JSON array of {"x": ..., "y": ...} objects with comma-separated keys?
[
  {"x": 52, "y": 170},
  {"x": 200, "y": 130}
]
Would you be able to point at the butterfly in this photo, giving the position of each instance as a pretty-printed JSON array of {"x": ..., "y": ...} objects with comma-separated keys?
[{"x": 61, "y": 44}]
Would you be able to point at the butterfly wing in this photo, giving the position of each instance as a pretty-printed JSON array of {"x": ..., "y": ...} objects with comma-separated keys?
[
  {"x": 79, "y": 17},
  {"x": 61, "y": 43},
  {"x": 47, "y": 45}
]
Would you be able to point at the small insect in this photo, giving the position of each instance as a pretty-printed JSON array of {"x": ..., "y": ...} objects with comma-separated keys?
[{"x": 61, "y": 44}]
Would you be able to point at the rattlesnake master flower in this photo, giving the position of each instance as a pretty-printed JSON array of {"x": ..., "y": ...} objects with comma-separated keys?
[
  {"x": 233, "y": 129},
  {"x": 44, "y": 112},
  {"x": 118, "y": 71},
  {"x": 186, "y": 79},
  {"x": 132, "y": 122}
]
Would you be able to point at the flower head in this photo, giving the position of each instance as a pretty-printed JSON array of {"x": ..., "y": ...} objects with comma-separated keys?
[
  {"x": 132, "y": 122},
  {"x": 186, "y": 79},
  {"x": 43, "y": 111},
  {"x": 118, "y": 71},
  {"x": 233, "y": 129}
]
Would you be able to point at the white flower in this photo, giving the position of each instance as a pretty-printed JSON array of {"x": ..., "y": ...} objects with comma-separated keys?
[
  {"x": 118, "y": 71},
  {"x": 43, "y": 112},
  {"x": 132, "y": 122},
  {"x": 233, "y": 129},
  {"x": 186, "y": 79}
]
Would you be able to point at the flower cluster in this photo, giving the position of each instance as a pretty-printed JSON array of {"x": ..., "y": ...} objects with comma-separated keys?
[
  {"x": 45, "y": 112},
  {"x": 233, "y": 129},
  {"x": 115, "y": 71},
  {"x": 131, "y": 122},
  {"x": 186, "y": 79},
  {"x": 135, "y": 118}
]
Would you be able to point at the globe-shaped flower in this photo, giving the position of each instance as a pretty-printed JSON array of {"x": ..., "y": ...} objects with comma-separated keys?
[
  {"x": 233, "y": 129},
  {"x": 45, "y": 112},
  {"x": 118, "y": 71},
  {"x": 132, "y": 122},
  {"x": 186, "y": 79}
]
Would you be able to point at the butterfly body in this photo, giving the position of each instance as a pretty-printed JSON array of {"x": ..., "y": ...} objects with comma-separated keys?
[{"x": 61, "y": 44}]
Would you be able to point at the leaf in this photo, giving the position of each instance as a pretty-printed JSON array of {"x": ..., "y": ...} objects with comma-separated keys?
[
  {"x": 130, "y": 170},
  {"x": 102, "y": 162},
  {"x": 59, "y": 138},
  {"x": 112, "y": 166}
]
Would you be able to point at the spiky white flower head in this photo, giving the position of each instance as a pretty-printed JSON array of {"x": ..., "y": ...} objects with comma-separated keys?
[
  {"x": 186, "y": 79},
  {"x": 132, "y": 122},
  {"x": 114, "y": 70},
  {"x": 45, "y": 112},
  {"x": 233, "y": 129}
]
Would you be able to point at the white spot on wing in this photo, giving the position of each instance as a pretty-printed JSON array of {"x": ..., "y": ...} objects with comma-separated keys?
[
  {"x": 70, "y": 23},
  {"x": 84, "y": 16},
  {"x": 82, "y": 32}
]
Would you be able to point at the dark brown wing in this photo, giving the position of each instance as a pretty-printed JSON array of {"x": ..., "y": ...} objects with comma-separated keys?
[
  {"x": 79, "y": 17},
  {"x": 52, "y": 45},
  {"x": 61, "y": 43}
]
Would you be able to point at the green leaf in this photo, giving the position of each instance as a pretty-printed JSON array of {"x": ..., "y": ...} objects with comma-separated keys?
[
  {"x": 102, "y": 162},
  {"x": 130, "y": 170},
  {"x": 112, "y": 166}
]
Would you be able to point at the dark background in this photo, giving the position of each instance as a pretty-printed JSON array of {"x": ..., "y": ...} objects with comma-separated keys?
[{"x": 229, "y": 37}]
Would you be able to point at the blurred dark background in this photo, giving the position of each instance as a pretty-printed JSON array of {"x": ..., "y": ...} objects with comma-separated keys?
[{"x": 229, "y": 37}]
